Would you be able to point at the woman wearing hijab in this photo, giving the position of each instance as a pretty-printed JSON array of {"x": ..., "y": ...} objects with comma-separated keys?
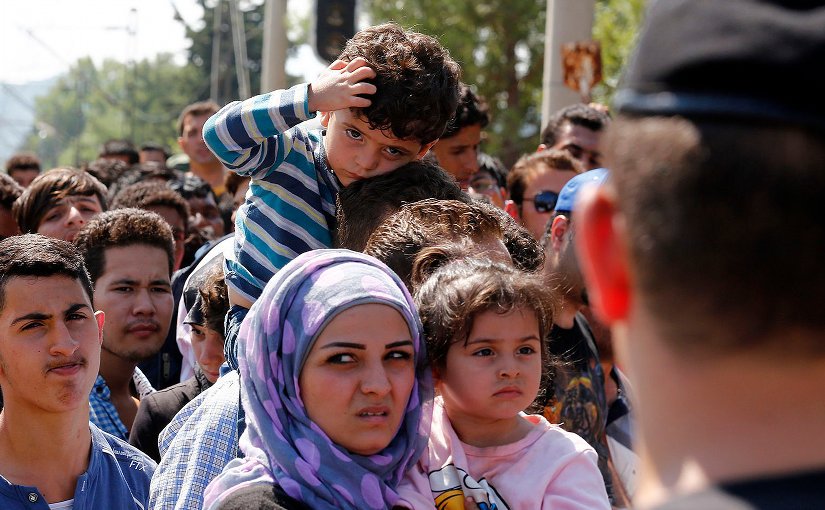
[{"x": 336, "y": 389}]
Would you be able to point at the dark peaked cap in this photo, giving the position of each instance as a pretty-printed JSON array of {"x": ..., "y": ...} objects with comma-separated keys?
[{"x": 750, "y": 59}]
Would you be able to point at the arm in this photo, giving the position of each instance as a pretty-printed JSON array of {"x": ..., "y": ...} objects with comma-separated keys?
[{"x": 253, "y": 136}]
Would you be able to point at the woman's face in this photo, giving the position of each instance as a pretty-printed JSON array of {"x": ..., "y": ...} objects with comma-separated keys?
[{"x": 357, "y": 378}]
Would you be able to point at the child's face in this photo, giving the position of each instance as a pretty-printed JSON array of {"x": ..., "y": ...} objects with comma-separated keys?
[
  {"x": 497, "y": 373},
  {"x": 355, "y": 151}
]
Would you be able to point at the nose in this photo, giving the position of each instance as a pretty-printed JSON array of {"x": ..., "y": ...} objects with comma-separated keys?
[
  {"x": 62, "y": 342},
  {"x": 143, "y": 304},
  {"x": 470, "y": 161},
  {"x": 368, "y": 160},
  {"x": 73, "y": 217},
  {"x": 375, "y": 381},
  {"x": 212, "y": 353},
  {"x": 509, "y": 368}
]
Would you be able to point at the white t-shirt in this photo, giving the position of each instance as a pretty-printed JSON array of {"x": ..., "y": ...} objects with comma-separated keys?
[{"x": 62, "y": 505}]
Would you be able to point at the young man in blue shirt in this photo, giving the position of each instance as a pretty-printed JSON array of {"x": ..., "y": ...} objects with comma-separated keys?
[{"x": 50, "y": 337}]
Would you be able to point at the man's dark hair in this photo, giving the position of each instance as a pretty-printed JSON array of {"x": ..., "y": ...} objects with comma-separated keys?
[
  {"x": 233, "y": 182},
  {"x": 119, "y": 228},
  {"x": 34, "y": 255},
  {"x": 365, "y": 203},
  {"x": 145, "y": 195},
  {"x": 9, "y": 191},
  {"x": 526, "y": 166},
  {"x": 196, "y": 110},
  {"x": 399, "y": 239},
  {"x": 416, "y": 78},
  {"x": 120, "y": 148},
  {"x": 725, "y": 222},
  {"x": 494, "y": 167},
  {"x": 54, "y": 185},
  {"x": 23, "y": 161},
  {"x": 577, "y": 114},
  {"x": 154, "y": 146},
  {"x": 192, "y": 186},
  {"x": 106, "y": 170},
  {"x": 472, "y": 109}
]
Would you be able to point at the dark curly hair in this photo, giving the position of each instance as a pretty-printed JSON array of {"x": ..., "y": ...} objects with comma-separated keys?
[
  {"x": 472, "y": 109},
  {"x": 9, "y": 191},
  {"x": 214, "y": 300},
  {"x": 144, "y": 195},
  {"x": 417, "y": 81}
]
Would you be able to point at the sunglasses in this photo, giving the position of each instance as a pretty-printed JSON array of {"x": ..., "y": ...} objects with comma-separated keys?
[{"x": 544, "y": 201}]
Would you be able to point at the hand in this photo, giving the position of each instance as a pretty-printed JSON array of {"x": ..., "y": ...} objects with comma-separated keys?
[{"x": 340, "y": 85}]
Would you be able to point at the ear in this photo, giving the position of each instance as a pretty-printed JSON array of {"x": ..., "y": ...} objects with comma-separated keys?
[
  {"x": 425, "y": 149},
  {"x": 180, "y": 142},
  {"x": 541, "y": 147},
  {"x": 101, "y": 318},
  {"x": 325, "y": 118},
  {"x": 560, "y": 226},
  {"x": 511, "y": 208},
  {"x": 600, "y": 243}
]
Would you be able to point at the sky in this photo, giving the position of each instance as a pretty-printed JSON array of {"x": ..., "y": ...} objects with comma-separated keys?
[{"x": 40, "y": 39}]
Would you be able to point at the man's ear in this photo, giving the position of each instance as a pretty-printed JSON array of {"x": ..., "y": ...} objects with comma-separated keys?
[
  {"x": 600, "y": 244},
  {"x": 425, "y": 149},
  {"x": 558, "y": 229},
  {"x": 325, "y": 118},
  {"x": 511, "y": 208},
  {"x": 101, "y": 319},
  {"x": 180, "y": 142},
  {"x": 541, "y": 147}
]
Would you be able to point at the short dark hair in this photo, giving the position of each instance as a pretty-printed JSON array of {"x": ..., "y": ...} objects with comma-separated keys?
[
  {"x": 416, "y": 78},
  {"x": 36, "y": 255},
  {"x": 119, "y": 228},
  {"x": 23, "y": 161},
  {"x": 145, "y": 195},
  {"x": 725, "y": 226},
  {"x": 192, "y": 186},
  {"x": 195, "y": 110},
  {"x": 494, "y": 167},
  {"x": 472, "y": 110},
  {"x": 233, "y": 182},
  {"x": 365, "y": 203},
  {"x": 106, "y": 170},
  {"x": 526, "y": 165},
  {"x": 51, "y": 186},
  {"x": 120, "y": 148},
  {"x": 578, "y": 114},
  {"x": 455, "y": 293},
  {"x": 154, "y": 146},
  {"x": 398, "y": 240},
  {"x": 214, "y": 300},
  {"x": 9, "y": 191}
]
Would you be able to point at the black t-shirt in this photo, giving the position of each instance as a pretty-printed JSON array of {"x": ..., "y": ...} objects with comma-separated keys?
[{"x": 799, "y": 491}]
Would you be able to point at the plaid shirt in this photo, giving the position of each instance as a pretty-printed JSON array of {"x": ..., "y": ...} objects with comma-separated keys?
[
  {"x": 196, "y": 445},
  {"x": 102, "y": 411}
]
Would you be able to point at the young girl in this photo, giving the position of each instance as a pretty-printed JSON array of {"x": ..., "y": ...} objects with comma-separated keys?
[
  {"x": 485, "y": 323},
  {"x": 335, "y": 385}
]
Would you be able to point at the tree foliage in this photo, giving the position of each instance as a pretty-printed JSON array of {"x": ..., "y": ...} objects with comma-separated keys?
[
  {"x": 92, "y": 104},
  {"x": 500, "y": 46}
]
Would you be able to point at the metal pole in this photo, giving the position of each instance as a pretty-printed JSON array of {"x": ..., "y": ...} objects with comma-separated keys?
[
  {"x": 239, "y": 43},
  {"x": 273, "y": 56},
  {"x": 567, "y": 21},
  {"x": 214, "y": 76}
]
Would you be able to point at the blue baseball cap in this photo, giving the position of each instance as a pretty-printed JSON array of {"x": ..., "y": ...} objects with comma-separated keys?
[{"x": 567, "y": 196}]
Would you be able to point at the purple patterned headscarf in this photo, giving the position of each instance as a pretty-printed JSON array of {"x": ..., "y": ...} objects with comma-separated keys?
[{"x": 281, "y": 444}]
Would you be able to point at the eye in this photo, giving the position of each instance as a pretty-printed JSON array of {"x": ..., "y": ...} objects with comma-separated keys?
[
  {"x": 123, "y": 289},
  {"x": 399, "y": 355},
  {"x": 352, "y": 133},
  {"x": 342, "y": 358},
  {"x": 197, "y": 332},
  {"x": 31, "y": 325},
  {"x": 52, "y": 216},
  {"x": 161, "y": 290},
  {"x": 76, "y": 316},
  {"x": 526, "y": 350},
  {"x": 394, "y": 152},
  {"x": 483, "y": 352}
]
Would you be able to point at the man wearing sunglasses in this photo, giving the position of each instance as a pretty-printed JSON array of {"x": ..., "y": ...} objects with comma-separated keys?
[{"x": 534, "y": 184}]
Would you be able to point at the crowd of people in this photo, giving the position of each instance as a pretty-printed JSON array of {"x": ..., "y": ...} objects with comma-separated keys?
[{"x": 333, "y": 299}]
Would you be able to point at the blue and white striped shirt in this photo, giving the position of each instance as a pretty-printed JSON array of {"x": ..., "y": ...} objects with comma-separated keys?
[{"x": 290, "y": 205}]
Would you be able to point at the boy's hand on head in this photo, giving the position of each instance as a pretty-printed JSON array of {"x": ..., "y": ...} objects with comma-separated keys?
[{"x": 340, "y": 85}]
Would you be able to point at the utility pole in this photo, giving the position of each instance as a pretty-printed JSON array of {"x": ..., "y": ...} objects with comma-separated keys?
[
  {"x": 214, "y": 75},
  {"x": 239, "y": 44},
  {"x": 567, "y": 21},
  {"x": 273, "y": 56}
]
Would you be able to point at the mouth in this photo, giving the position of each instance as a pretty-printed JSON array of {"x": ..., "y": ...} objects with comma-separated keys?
[
  {"x": 374, "y": 414},
  {"x": 143, "y": 329},
  {"x": 66, "y": 368},
  {"x": 509, "y": 392}
]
